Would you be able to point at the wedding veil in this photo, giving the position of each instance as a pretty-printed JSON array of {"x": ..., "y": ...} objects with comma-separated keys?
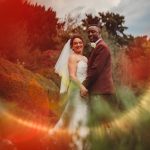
[{"x": 61, "y": 67}]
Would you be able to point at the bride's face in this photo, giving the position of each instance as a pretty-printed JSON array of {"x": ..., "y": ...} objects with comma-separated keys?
[{"x": 77, "y": 45}]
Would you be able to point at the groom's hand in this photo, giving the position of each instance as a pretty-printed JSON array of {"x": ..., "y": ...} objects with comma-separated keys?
[{"x": 83, "y": 91}]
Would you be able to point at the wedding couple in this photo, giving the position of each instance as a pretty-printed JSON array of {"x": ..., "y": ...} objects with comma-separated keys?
[{"x": 88, "y": 82}]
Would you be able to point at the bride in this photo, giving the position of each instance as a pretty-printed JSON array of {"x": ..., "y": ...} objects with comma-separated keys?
[{"x": 72, "y": 67}]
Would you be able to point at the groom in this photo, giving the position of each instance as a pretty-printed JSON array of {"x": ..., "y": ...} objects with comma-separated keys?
[{"x": 99, "y": 80}]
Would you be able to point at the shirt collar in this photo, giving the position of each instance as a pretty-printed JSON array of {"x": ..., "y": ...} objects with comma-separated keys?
[
  {"x": 98, "y": 40},
  {"x": 94, "y": 44}
]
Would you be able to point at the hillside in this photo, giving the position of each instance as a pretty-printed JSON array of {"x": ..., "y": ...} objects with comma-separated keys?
[{"x": 27, "y": 102}]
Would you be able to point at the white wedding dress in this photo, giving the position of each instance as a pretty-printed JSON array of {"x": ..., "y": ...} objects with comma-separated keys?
[{"x": 76, "y": 110}]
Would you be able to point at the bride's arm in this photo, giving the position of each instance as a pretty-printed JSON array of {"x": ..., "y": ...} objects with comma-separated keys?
[{"x": 72, "y": 67}]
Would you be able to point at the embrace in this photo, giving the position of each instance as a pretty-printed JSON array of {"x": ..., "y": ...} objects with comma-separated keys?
[{"x": 88, "y": 82}]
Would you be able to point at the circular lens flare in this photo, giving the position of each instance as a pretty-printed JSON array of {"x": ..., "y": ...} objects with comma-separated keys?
[{"x": 124, "y": 123}]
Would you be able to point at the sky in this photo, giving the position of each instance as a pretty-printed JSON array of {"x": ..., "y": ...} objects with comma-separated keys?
[{"x": 136, "y": 12}]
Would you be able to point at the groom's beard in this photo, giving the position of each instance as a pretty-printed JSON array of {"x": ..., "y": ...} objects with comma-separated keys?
[{"x": 93, "y": 39}]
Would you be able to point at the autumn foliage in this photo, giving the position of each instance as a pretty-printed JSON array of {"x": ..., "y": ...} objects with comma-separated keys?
[
  {"x": 24, "y": 28},
  {"x": 31, "y": 37},
  {"x": 134, "y": 62}
]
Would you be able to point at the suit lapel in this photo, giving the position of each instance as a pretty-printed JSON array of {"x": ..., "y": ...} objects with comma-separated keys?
[{"x": 93, "y": 51}]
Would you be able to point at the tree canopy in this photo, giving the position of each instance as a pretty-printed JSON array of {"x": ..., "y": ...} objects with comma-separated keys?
[
  {"x": 26, "y": 26},
  {"x": 114, "y": 24}
]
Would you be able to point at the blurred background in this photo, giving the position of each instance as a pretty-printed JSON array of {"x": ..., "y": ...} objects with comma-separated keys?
[{"x": 32, "y": 34}]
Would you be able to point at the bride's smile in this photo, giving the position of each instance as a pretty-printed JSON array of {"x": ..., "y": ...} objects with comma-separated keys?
[{"x": 77, "y": 46}]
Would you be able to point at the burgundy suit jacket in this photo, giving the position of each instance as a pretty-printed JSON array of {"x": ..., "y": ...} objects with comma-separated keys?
[{"x": 99, "y": 73}]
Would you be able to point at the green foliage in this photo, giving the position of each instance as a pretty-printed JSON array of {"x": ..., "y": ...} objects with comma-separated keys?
[
  {"x": 113, "y": 22},
  {"x": 127, "y": 96},
  {"x": 132, "y": 125},
  {"x": 91, "y": 20}
]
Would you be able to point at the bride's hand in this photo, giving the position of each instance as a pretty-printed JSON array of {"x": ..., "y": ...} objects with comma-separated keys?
[{"x": 83, "y": 91}]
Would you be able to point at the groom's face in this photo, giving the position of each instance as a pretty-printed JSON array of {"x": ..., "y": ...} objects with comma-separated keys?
[{"x": 93, "y": 33}]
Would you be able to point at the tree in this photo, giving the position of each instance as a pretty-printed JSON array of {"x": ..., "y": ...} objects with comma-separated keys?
[
  {"x": 135, "y": 62},
  {"x": 91, "y": 20},
  {"x": 25, "y": 27},
  {"x": 113, "y": 23}
]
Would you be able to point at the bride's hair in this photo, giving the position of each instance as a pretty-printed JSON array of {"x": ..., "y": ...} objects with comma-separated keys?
[{"x": 74, "y": 37}]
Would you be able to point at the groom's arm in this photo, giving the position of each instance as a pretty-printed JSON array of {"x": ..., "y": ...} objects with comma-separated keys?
[{"x": 94, "y": 71}]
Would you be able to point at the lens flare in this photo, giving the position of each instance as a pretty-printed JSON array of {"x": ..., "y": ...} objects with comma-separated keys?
[
  {"x": 130, "y": 119},
  {"x": 120, "y": 126},
  {"x": 123, "y": 124}
]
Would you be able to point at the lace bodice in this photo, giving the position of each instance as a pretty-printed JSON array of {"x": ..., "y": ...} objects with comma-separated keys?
[{"x": 82, "y": 70}]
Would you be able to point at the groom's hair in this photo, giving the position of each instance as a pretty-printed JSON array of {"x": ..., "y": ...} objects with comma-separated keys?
[
  {"x": 98, "y": 25},
  {"x": 75, "y": 36},
  {"x": 96, "y": 28}
]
